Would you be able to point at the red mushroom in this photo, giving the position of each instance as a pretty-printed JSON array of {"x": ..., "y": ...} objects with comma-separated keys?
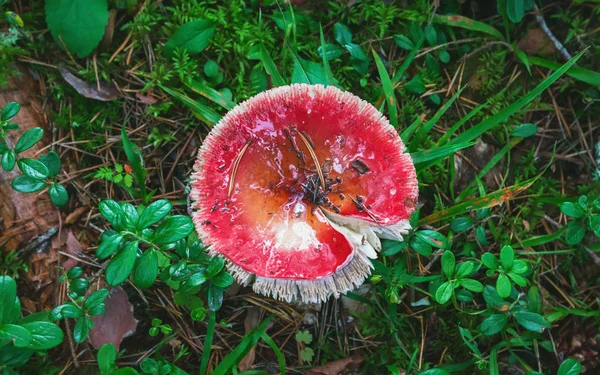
[{"x": 295, "y": 187}]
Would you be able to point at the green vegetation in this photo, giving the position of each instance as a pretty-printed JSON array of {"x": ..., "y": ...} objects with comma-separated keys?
[{"x": 498, "y": 276}]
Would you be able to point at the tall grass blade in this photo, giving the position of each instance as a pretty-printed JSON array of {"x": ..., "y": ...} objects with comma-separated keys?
[{"x": 388, "y": 90}]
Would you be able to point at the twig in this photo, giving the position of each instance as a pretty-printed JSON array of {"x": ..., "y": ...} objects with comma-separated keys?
[{"x": 559, "y": 46}]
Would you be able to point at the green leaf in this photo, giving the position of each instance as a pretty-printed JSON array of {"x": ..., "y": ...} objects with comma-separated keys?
[
  {"x": 270, "y": 67},
  {"x": 472, "y": 285},
  {"x": 342, "y": 33},
  {"x": 33, "y": 168},
  {"x": 79, "y": 24},
  {"x": 572, "y": 210},
  {"x": 435, "y": 371},
  {"x": 584, "y": 75},
  {"x": 200, "y": 110},
  {"x": 433, "y": 238},
  {"x": 125, "y": 371},
  {"x": 215, "y": 297},
  {"x": 10, "y": 110},
  {"x": 515, "y": 10},
  {"x": 134, "y": 155},
  {"x": 193, "y": 36},
  {"x": 215, "y": 266},
  {"x": 211, "y": 69},
  {"x": 97, "y": 310},
  {"x": 52, "y": 162},
  {"x": 68, "y": 310},
  {"x": 507, "y": 257},
  {"x": 437, "y": 153},
  {"x": 525, "y": 130},
  {"x": 431, "y": 35},
  {"x": 194, "y": 281},
  {"x": 519, "y": 267},
  {"x": 44, "y": 335},
  {"x": 26, "y": 184},
  {"x": 531, "y": 321},
  {"x": 121, "y": 265},
  {"x": 480, "y": 235},
  {"x": 146, "y": 269},
  {"x": 130, "y": 215},
  {"x": 520, "y": 281},
  {"x": 444, "y": 292},
  {"x": 403, "y": 42},
  {"x": 107, "y": 356},
  {"x": 490, "y": 261},
  {"x": 8, "y": 160},
  {"x": 173, "y": 229},
  {"x": 503, "y": 285},
  {"x": 421, "y": 247},
  {"x": 461, "y": 224},
  {"x": 389, "y": 247},
  {"x": 575, "y": 233},
  {"x": 388, "y": 90},
  {"x": 149, "y": 366},
  {"x": 415, "y": 85},
  {"x": 8, "y": 295},
  {"x": 492, "y": 298},
  {"x": 19, "y": 336},
  {"x": 468, "y": 24},
  {"x": 81, "y": 330},
  {"x": 332, "y": 51},
  {"x": 465, "y": 269},
  {"x": 58, "y": 195},
  {"x": 569, "y": 366},
  {"x": 534, "y": 300},
  {"x": 307, "y": 72},
  {"x": 356, "y": 52},
  {"x": 109, "y": 246},
  {"x": 448, "y": 263},
  {"x": 493, "y": 324},
  {"x": 304, "y": 336},
  {"x": 96, "y": 298},
  {"x": 110, "y": 210},
  {"x": 223, "y": 280},
  {"x": 307, "y": 354}
]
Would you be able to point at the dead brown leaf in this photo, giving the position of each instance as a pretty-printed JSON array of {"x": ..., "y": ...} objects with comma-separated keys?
[
  {"x": 337, "y": 367},
  {"x": 146, "y": 99},
  {"x": 90, "y": 90},
  {"x": 252, "y": 319},
  {"x": 117, "y": 323},
  {"x": 75, "y": 215},
  {"x": 536, "y": 42}
]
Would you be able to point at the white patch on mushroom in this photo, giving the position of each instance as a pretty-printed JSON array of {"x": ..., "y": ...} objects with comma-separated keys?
[{"x": 295, "y": 236}]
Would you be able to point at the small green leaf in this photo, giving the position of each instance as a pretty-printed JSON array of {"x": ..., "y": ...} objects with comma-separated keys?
[
  {"x": 193, "y": 36},
  {"x": 173, "y": 229},
  {"x": 332, "y": 51},
  {"x": 215, "y": 266},
  {"x": 570, "y": 366},
  {"x": 307, "y": 354},
  {"x": 149, "y": 366},
  {"x": 525, "y": 130},
  {"x": 304, "y": 336},
  {"x": 107, "y": 356},
  {"x": 448, "y": 263},
  {"x": 503, "y": 285},
  {"x": 8, "y": 295},
  {"x": 534, "y": 299},
  {"x": 97, "y": 310},
  {"x": 389, "y": 247},
  {"x": 435, "y": 371},
  {"x": 215, "y": 297},
  {"x": 29, "y": 139},
  {"x": 342, "y": 33},
  {"x": 472, "y": 285},
  {"x": 515, "y": 10},
  {"x": 507, "y": 257},
  {"x": 492, "y": 298},
  {"x": 121, "y": 265},
  {"x": 8, "y": 160},
  {"x": 531, "y": 321},
  {"x": 444, "y": 292},
  {"x": 10, "y": 110},
  {"x": 480, "y": 234},
  {"x": 146, "y": 269},
  {"x": 52, "y": 162},
  {"x": 44, "y": 335},
  {"x": 520, "y": 281},
  {"x": 465, "y": 269},
  {"x": 33, "y": 168},
  {"x": 403, "y": 42},
  {"x": 519, "y": 267},
  {"x": 96, "y": 298},
  {"x": 461, "y": 224},
  {"x": 493, "y": 324},
  {"x": 68, "y": 310},
  {"x": 490, "y": 261},
  {"x": 421, "y": 247},
  {"x": 19, "y": 336},
  {"x": 223, "y": 280},
  {"x": 109, "y": 246},
  {"x": 575, "y": 233},
  {"x": 433, "y": 238},
  {"x": 26, "y": 184},
  {"x": 58, "y": 195},
  {"x": 80, "y": 332},
  {"x": 155, "y": 212},
  {"x": 110, "y": 210}
]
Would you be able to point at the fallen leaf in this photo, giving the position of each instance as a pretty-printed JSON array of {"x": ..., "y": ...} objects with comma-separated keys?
[
  {"x": 536, "y": 42},
  {"x": 146, "y": 99},
  {"x": 337, "y": 367},
  {"x": 75, "y": 215},
  {"x": 109, "y": 30},
  {"x": 90, "y": 90},
  {"x": 251, "y": 321},
  {"x": 73, "y": 246},
  {"x": 117, "y": 323}
]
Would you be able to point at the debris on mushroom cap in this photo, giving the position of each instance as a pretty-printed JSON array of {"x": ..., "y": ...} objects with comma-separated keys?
[{"x": 296, "y": 186}]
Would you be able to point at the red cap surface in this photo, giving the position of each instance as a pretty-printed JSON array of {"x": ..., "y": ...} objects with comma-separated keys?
[{"x": 279, "y": 167}]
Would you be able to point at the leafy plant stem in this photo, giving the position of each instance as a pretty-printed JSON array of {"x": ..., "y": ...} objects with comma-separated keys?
[{"x": 210, "y": 332}]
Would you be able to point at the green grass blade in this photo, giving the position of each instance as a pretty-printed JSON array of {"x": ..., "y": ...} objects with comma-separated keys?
[
  {"x": 469, "y": 24},
  {"x": 388, "y": 90},
  {"x": 210, "y": 332},
  {"x": 408, "y": 132},
  {"x": 203, "y": 112},
  {"x": 211, "y": 94},
  {"x": 407, "y": 61},
  {"x": 503, "y": 115},
  {"x": 426, "y": 128},
  {"x": 280, "y": 358},
  {"x": 326, "y": 67},
  {"x": 270, "y": 67},
  {"x": 582, "y": 74},
  {"x": 460, "y": 123},
  {"x": 433, "y": 155}
]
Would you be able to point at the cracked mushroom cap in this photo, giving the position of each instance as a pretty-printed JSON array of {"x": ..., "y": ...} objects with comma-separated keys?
[{"x": 295, "y": 187}]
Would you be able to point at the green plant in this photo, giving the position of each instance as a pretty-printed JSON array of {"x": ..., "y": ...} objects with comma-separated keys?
[
  {"x": 508, "y": 269},
  {"x": 11, "y": 264},
  {"x": 37, "y": 174},
  {"x": 157, "y": 327},
  {"x": 456, "y": 277},
  {"x": 82, "y": 309},
  {"x": 21, "y": 338},
  {"x": 120, "y": 175},
  {"x": 586, "y": 218},
  {"x": 304, "y": 338}
]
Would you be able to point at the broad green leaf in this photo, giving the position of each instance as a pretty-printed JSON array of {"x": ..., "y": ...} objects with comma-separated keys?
[
  {"x": 472, "y": 285},
  {"x": 569, "y": 366},
  {"x": 125, "y": 371},
  {"x": 435, "y": 154},
  {"x": 534, "y": 300},
  {"x": 584, "y": 75},
  {"x": 107, "y": 355},
  {"x": 520, "y": 281},
  {"x": 134, "y": 155},
  {"x": 33, "y": 168},
  {"x": 465, "y": 269},
  {"x": 342, "y": 33},
  {"x": 493, "y": 299},
  {"x": 173, "y": 229},
  {"x": 109, "y": 246},
  {"x": 575, "y": 233},
  {"x": 356, "y": 51},
  {"x": 531, "y": 321},
  {"x": 448, "y": 263},
  {"x": 525, "y": 130},
  {"x": 81, "y": 330},
  {"x": 194, "y": 281},
  {"x": 389, "y": 247},
  {"x": 146, "y": 269},
  {"x": 58, "y": 195},
  {"x": 332, "y": 51},
  {"x": 44, "y": 335},
  {"x": 270, "y": 67},
  {"x": 388, "y": 90},
  {"x": 433, "y": 238},
  {"x": 110, "y": 210},
  {"x": 68, "y": 310},
  {"x": 404, "y": 42},
  {"x": 223, "y": 280},
  {"x": 211, "y": 94},
  {"x": 77, "y": 24},
  {"x": 96, "y": 298},
  {"x": 573, "y": 210},
  {"x": 507, "y": 257},
  {"x": 8, "y": 295},
  {"x": 468, "y": 24},
  {"x": 493, "y": 324},
  {"x": 421, "y": 247},
  {"x": 307, "y": 72},
  {"x": 519, "y": 267},
  {"x": 121, "y": 265},
  {"x": 435, "y": 371},
  {"x": 490, "y": 261},
  {"x": 19, "y": 336},
  {"x": 215, "y": 297},
  {"x": 200, "y": 110},
  {"x": 515, "y": 10},
  {"x": 444, "y": 292},
  {"x": 26, "y": 184},
  {"x": 9, "y": 160},
  {"x": 503, "y": 285},
  {"x": 461, "y": 224},
  {"x": 215, "y": 266},
  {"x": 10, "y": 110},
  {"x": 193, "y": 36},
  {"x": 52, "y": 162}
]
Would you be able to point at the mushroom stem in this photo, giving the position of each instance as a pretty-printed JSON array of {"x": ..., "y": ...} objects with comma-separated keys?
[
  {"x": 314, "y": 157},
  {"x": 236, "y": 164}
]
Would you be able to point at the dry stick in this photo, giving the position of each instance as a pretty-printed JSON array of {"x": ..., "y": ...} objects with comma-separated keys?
[
  {"x": 236, "y": 164},
  {"x": 559, "y": 46}
]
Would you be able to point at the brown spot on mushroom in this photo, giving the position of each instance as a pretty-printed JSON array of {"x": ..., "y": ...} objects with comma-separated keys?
[{"x": 359, "y": 166}]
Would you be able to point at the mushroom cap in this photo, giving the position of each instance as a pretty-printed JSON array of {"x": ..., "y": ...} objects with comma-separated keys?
[{"x": 260, "y": 202}]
